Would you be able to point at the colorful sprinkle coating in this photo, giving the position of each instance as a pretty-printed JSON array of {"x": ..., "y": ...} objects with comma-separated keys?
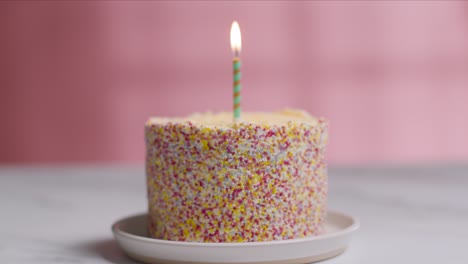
[{"x": 236, "y": 183}]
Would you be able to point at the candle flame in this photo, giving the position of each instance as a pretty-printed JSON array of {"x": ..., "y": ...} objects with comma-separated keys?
[{"x": 236, "y": 40}]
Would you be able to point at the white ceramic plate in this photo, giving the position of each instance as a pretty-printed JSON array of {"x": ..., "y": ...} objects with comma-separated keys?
[{"x": 132, "y": 237}]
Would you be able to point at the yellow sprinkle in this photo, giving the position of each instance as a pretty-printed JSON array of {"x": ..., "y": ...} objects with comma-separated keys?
[{"x": 205, "y": 145}]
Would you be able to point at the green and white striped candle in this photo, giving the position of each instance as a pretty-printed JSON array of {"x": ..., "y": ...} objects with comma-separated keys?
[{"x": 236, "y": 44}]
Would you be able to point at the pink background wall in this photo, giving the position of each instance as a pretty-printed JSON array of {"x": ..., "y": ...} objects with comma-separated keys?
[{"x": 79, "y": 79}]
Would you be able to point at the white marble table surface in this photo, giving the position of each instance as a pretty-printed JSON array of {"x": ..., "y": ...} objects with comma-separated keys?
[{"x": 64, "y": 214}]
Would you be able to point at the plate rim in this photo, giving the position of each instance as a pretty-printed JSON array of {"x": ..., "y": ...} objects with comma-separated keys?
[{"x": 355, "y": 224}]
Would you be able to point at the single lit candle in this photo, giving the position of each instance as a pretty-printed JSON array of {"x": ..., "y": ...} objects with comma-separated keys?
[{"x": 236, "y": 44}]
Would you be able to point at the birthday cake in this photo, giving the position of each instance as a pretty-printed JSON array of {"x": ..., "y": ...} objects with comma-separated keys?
[{"x": 212, "y": 180}]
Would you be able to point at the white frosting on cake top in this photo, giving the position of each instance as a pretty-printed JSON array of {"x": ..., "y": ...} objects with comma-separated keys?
[{"x": 225, "y": 119}]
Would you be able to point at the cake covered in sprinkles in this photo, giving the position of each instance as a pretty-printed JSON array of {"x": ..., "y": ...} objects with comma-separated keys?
[{"x": 211, "y": 180}]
